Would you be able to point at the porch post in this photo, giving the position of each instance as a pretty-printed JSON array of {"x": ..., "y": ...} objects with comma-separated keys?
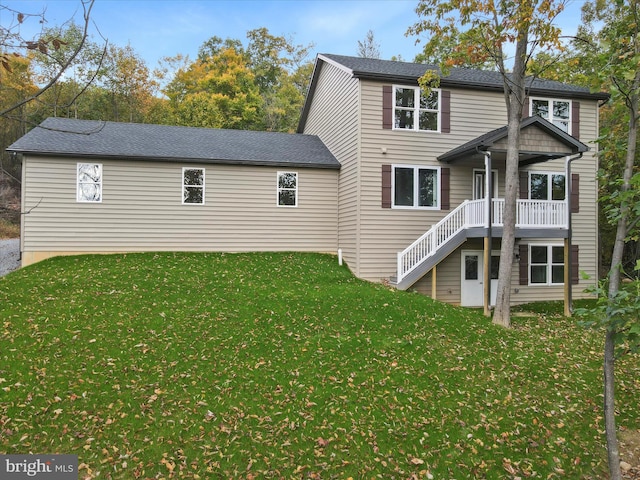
[
  {"x": 434, "y": 282},
  {"x": 487, "y": 239},
  {"x": 568, "y": 301}
]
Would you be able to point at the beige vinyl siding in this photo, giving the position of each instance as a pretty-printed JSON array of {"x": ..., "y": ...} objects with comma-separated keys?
[
  {"x": 384, "y": 232},
  {"x": 142, "y": 209},
  {"x": 334, "y": 117},
  {"x": 584, "y": 235}
]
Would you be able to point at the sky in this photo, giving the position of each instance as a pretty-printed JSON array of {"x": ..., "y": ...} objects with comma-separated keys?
[{"x": 165, "y": 28}]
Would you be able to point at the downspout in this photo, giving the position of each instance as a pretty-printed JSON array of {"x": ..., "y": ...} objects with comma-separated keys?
[
  {"x": 488, "y": 192},
  {"x": 568, "y": 288}
]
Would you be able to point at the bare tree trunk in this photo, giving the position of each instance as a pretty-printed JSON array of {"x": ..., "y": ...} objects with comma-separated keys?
[
  {"x": 613, "y": 451},
  {"x": 514, "y": 90},
  {"x": 502, "y": 313}
]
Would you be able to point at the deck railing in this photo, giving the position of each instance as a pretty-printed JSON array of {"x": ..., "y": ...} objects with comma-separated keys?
[{"x": 472, "y": 213}]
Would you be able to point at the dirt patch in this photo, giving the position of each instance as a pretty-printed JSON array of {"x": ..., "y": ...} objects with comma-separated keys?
[{"x": 630, "y": 453}]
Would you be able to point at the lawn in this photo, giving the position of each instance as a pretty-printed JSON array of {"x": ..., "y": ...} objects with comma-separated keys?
[{"x": 286, "y": 366}]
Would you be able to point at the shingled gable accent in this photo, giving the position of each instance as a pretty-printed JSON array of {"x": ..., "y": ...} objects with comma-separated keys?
[
  {"x": 387, "y": 109},
  {"x": 494, "y": 138},
  {"x": 575, "y": 116}
]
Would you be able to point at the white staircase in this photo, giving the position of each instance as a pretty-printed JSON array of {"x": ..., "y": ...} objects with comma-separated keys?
[{"x": 452, "y": 231}]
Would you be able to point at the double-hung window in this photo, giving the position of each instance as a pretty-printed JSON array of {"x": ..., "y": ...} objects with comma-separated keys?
[
  {"x": 415, "y": 187},
  {"x": 89, "y": 182},
  {"x": 557, "y": 112},
  {"x": 415, "y": 110},
  {"x": 546, "y": 264},
  {"x": 547, "y": 186},
  {"x": 193, "y": 186},
  {"x": 287, "y": 189}
]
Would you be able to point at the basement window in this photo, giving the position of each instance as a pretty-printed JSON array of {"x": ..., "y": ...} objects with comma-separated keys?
[{"x": 546, "y": 265}]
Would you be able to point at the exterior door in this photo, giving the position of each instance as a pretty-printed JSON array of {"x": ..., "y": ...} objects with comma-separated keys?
[
  {"x": 479, "y": 185},
  {"x": 472, "y": 280}
]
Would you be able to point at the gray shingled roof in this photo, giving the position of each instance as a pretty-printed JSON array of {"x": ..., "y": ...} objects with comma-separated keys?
[
  {"x": 387, "y": 70},
  {"x": 90, "y": 138}
]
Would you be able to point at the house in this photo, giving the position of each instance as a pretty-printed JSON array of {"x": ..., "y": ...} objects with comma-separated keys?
[
  {"x": 106, "y": 187},
  {"x": 414, "y": 189},
  {"x": 408, "y": 187}
]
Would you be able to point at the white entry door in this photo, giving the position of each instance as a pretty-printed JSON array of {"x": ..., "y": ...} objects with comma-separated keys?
[{"x": 472, "y": 280}]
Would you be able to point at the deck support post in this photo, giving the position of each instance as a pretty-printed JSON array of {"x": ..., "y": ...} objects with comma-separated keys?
[
  {"x": 434, "y": 282},
  {"x": 568, "y": 300},
  {"x": 487, "y": 276},
  {"x": 488, "y": 193}
]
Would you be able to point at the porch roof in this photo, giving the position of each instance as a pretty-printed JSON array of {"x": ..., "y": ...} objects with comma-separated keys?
[{"x": 495, "y": 142}]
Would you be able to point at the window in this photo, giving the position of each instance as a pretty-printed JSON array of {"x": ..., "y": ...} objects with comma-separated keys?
[
  {"x": 546, "y": 265},
  {"x": 287, "y": 189},
  {"x": 89, "y": 182},
  {"x": 413, "y": 110},
  {"x": 557, "y": 112},
  {"x": 415, "y": 187},
  {"x": 547, "y": 186},
  {"x": 193, "y": 186}
]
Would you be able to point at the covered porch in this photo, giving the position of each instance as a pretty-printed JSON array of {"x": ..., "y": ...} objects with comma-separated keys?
[{"x": 483, "y": 217}]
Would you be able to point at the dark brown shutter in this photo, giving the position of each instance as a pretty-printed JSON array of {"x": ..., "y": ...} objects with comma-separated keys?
[
  {"x": 524, "y": 264},
  {"x": 445, "y": 111},
  {"x": 575, "y": 193},
  {"x": 524, "y": 185},
  {"x": 386, "y": 186},
  {"x": 575, "y": 119},
  {"x": 387, "y": 107},
  {"x": 575, "y": 267},
  {"x": 525, "y": 108},
  {"x": 445, "y": 189}
]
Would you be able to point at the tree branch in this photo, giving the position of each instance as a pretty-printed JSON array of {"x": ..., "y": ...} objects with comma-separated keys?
[{"x": 87, "y": 5}]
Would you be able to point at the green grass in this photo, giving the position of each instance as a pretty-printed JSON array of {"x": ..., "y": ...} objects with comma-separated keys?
[{"x": 286, "y": 366}]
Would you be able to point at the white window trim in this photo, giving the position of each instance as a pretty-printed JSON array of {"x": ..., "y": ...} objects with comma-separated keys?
[
  {"x": 278, "y": 189},
  {"x": 496, "y": 190},
  {"x": 549, "y": 264},
  {"x": 415, "y": 187},
  {"x": 184, "y": 169},
  {"x": 417, "y": 92},
  {"x": 100, "y": 183},
  {"x": 549, "y": 184},
  {"x": 551, "y": 100}
]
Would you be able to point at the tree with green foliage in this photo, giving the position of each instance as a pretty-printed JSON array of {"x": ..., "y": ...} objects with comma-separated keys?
[
  {"x": 217, "y": 93},
  {"x": 82, "y": 69},
  {"x": 268, "y": 79},
  {"x": 46, "y": 44},
  {"x": 20, "y": 85},
  {"x": 486, "y": 31},
  {"x": 128, "y": 83},
  {"x": 615, "y": 57},
  {"x": 276, "y": 62}
]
